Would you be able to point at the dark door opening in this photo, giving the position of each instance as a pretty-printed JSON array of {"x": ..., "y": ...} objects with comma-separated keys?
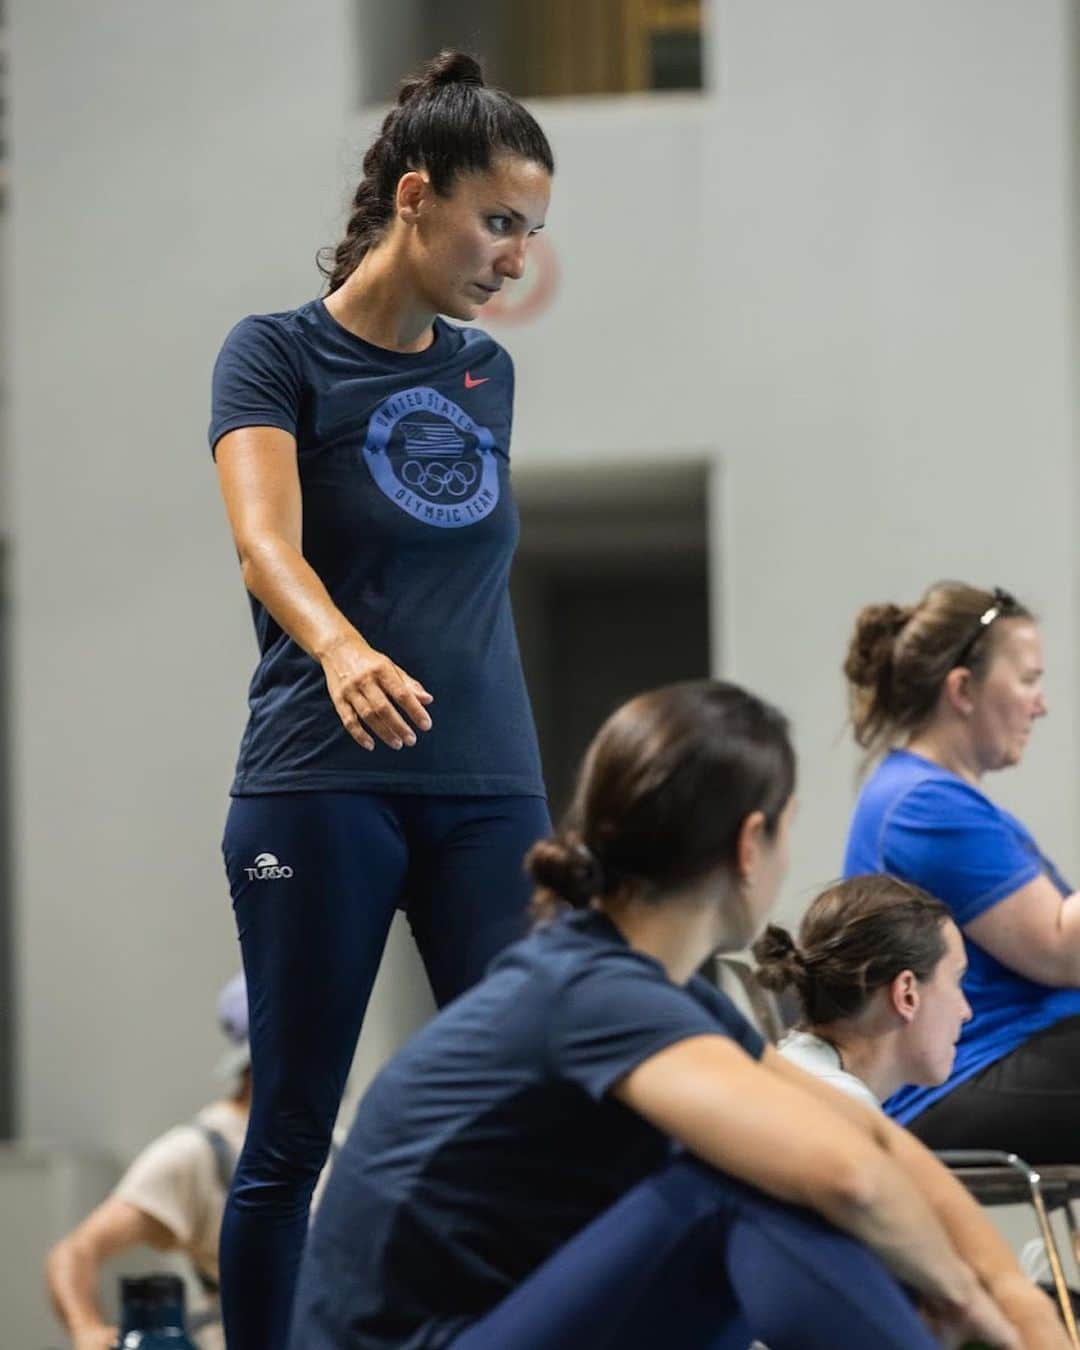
[{"x": 611, "y": 597}]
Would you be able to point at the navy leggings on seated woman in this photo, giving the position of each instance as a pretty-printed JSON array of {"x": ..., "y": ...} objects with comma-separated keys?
[{"x": 693, "y": 1260}]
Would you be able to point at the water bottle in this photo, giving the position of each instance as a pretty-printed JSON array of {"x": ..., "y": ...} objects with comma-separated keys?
[{"x": 152, "y": 1314}]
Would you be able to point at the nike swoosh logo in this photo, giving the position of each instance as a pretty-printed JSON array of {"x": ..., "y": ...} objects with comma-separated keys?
[{"x": 470, "y": 383}]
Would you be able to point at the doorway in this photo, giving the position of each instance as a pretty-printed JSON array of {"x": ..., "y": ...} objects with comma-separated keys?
[{"x": 611, "y": 596}]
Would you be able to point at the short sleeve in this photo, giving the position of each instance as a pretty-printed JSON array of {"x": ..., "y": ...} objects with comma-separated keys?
[
  {"x": 511, "y": 382},
  {"x": 256, "y": 379},
  {"x": 616, "y": 1014},
  {"x": 955, "y": 843},
  {"x": 167, "y": 1181}
]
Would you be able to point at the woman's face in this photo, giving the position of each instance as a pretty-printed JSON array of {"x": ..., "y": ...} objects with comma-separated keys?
[
  {"x": 929, "y": 1040},
  {"x": 470, "y": 242},
  {"x": 1009, "y": 697}
]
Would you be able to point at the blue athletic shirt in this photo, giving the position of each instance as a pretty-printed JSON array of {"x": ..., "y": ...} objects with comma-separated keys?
[
  {"x": 922, "y": 823},
  {"x": 409, "y": 522},
  {"x": 490, "y": 1140}
]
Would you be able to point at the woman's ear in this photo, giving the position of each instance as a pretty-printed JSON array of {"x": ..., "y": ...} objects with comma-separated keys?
[
  {"x": 904, "y": 995},
  {"x": 749, "y": 844},
  {"x": 957, "y": 690},
  {"x": 413, "y": 190}
]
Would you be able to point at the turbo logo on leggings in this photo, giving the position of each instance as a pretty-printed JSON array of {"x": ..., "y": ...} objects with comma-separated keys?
[
  {"x": 267, "y": 868},
  {"x": 432, "y": 460}
]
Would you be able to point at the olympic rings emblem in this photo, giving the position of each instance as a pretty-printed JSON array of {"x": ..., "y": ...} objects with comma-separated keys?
[{"x": 435, "y": 477}]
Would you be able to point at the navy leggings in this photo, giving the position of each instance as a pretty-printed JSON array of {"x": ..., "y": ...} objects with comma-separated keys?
[
  {"x": 693, "y": 1260},
  {"x": 315, "y": 880},
  {"x": 689, "y": 1259}
]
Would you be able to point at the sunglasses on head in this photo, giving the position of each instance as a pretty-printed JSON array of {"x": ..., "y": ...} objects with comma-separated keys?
[{"x": 1003, "y": 602}]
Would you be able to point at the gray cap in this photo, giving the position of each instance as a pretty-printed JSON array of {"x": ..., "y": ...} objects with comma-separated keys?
[{"x": 232, "y": 1012}]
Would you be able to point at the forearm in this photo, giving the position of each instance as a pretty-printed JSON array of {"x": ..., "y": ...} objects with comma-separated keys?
[
  {"x": 72, "y": 1276},
  {"x": 895, "y": 1221},
  {"x": 280, "y": 578}
]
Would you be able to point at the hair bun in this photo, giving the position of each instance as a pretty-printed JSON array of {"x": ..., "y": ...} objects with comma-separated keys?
[
  {"x": 779, "y": 961},
  {"x": 449, "y": 67},
  {"x": 565, "y": 868},
  {"x": 871, "y": 649}
]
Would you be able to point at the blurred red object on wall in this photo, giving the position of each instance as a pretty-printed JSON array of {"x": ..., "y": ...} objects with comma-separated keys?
[{"x": 520, "y": 301}]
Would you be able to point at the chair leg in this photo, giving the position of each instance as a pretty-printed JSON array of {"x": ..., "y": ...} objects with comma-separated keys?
[
  {"x": 1074, "y": 1232},
  {"x": 960, "y": 1159},
  {"x": 1054, "y": 1257}
]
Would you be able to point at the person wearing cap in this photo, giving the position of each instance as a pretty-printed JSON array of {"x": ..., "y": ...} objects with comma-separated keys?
[{"x": 171, "y": 1198}]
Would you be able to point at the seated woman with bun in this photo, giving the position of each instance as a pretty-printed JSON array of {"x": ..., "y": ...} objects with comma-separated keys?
[
  {"x": 877, "y": 970},
  {"x": 592, "y": 1148},
  {"x": 948, "y": 691}
]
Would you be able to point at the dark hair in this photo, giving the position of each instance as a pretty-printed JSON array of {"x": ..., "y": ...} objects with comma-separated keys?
[
  {"x": 898, "y": 657},
  {"x": 663, "y": 791},
  {"x": 447, "y": 122},
  {"x": 856, "y": 938}
]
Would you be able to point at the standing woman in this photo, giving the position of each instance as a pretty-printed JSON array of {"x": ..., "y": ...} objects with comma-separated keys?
[
  {"x": 950, "y": 690},
  {"x": 390, "y": 758}
]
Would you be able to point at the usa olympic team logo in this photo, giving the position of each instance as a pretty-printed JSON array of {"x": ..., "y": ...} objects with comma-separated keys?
[{"x": 432, "y": 460}]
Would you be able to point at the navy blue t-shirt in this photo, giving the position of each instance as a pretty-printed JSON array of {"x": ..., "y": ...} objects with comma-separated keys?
[
  {"x": 490, "y": 1140},
  {"x": 922, "y": 823},
  {"x": 409, "y": 522}
]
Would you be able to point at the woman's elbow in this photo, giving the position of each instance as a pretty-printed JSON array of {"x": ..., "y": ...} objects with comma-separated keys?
[
  {"x": 249, "y": 570},
  {"x": 847, "y": 1184},
  {"x": 58, "y": 1260},
  {"x": 256, "y": 553}
]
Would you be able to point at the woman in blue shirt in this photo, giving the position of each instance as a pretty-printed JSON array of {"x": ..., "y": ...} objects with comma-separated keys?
[
  {"x": 390, "y": 760},
  {"x": 509, "y": 1181},
  {"x": 953, "y": 685}
]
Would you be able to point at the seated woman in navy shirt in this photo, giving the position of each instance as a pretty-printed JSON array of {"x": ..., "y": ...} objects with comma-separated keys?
[
  {"x": 510, "y": 1181},
  {"x": 951, "y": 689}
]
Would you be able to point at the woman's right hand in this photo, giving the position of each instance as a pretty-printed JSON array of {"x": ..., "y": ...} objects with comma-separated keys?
[{"x": 372, "y": 695}]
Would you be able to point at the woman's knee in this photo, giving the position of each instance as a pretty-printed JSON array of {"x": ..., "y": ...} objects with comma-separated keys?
[{"x": 281, "y": 1161}]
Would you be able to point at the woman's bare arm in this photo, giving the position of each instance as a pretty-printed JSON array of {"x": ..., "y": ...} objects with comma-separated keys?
[
  {"x": 73, "y": 1267},
  {"x": 260, "y": 482},
  {"x": 1034, "y": 932}
]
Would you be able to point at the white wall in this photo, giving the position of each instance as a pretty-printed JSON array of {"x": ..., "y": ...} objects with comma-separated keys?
[
  {"x": 846, "y": 273},
  {"x": 849, "y": 275},
  {"x": 175, "y": 167}
]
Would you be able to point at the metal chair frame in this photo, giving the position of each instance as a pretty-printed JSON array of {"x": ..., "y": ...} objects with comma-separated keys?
[{"x": 998, "y": 1178}]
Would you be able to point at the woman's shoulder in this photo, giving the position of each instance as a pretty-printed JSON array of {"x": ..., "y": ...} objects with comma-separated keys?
[
  {"x": 582, "y": 941},
  {"x": 912, "y": 804},
  {"x": 267, "y": 335},
  {"x": 478, "y": 345},
  {"x": 905, "y": 778},
  {"x": 818, "y": 1057}
]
